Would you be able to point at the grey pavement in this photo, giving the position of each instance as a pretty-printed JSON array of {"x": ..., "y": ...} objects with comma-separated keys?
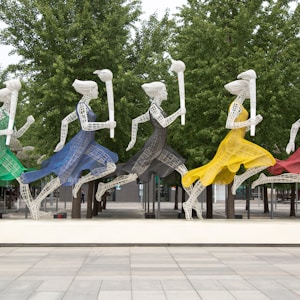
[
  {"x": 163, "y": 210},
  {"x": 140, "y": 272},
  {"x": 144, "y": 273}
]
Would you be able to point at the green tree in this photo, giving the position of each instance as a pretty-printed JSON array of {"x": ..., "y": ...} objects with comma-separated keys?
[
  {"x": 218, "y": 40},
  {"x": 60, "y": 41}
]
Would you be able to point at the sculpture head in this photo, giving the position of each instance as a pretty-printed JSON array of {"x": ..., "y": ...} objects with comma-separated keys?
[
  {"x": 238, "y": 87},
  {"x": 156, "y": 90},
  {"x": 247, "y": 75},
  {"x": 13, "y": 84},
  {"x": 104, "y": 75},
  {"x": 87, "y": 87},
  {"x": 5, "y": 95}
]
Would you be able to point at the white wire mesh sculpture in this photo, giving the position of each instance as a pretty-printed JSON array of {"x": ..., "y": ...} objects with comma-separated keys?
[
  {"x": 155, "y": 157},
  {"x": 80, "y": 153},
  {"x": 233, "y": 151},
  {"x": 10, "y": 166},
  {"x": 285, "y": 171}
]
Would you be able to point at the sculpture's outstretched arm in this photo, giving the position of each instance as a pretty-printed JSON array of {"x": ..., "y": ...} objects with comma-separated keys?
[
  {"x": 293, "y": 133},
  {"x": 234, "y": 111},
  {"x": 6, "y": 132},
  {"x": 64, "y": 129},
  {"x": 134, "y": 128},
  {"x": 165, "y": 122},
  {"x": 24, "y": 128},
  {"x": 91, "y": 126}
]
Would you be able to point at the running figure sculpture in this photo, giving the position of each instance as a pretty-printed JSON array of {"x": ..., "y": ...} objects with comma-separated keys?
[
  {"x": 80, "y": 153},
  {"x": 287, "y": 171},
  {"x": 233, "y": 151},
  {"x": 10, "y": 166},
  {"x": 155, "y": 157}
]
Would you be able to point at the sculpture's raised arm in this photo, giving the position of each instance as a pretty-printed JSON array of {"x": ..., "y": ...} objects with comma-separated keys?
[
  {"x": 18, "y": 133},
  {"x": 64, "y": 130},
  {"x": 178, "y": 67},
  {"x": 106, "y": 76},
  {"x": 134, "y": 128},
  {"x": 293, "y": 133}
]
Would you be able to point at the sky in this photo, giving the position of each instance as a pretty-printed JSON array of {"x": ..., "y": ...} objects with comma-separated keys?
[{"x": 149, "y": 7}]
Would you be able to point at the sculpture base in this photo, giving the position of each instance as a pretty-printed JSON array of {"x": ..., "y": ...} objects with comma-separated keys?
[{"x": 149, "y": 215}]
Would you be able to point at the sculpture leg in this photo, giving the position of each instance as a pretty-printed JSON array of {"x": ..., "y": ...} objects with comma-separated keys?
[
  {"x": 239, "y": 179},
  {"x": 182, "y": 170},
  {"x": 50, "y": 187},
  {"x": 192, "y": 202},
  {"x": 120, "y": 180},
  {"x": 171, "y": 160},
  {"x": 283, "y": 178},
  {"x": 26, "y": 196},
  {"x": 34, "y": 204},
  {"x": 196, "y": 206},
  {"x": 111, "y": 167}
]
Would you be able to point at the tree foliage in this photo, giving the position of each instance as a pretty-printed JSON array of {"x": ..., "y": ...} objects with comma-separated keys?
[
  {"x": 220, "y": 39},
  {"x": 60, "y": 41}
]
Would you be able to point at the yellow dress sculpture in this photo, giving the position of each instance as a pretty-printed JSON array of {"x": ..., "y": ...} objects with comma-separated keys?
[{"x": 234, "y": 150}]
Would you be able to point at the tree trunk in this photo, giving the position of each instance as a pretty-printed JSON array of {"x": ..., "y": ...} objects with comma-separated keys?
[
  {"x": 209, "y": 202},
  {"x": 89, "y": 201},
  {"x": 247, "y": 196},
  {"x": 183, "y": 200},
  {"x": 96, "y": 208},
  {"x": 176, "y": 198},
  {"x": 266, "y": 200},
  {"x": 10, "y": 199},
  {"x": 293, "y": 192},
  {"x": 76, "y": 207},
  {"x": 230, "y": 203}
]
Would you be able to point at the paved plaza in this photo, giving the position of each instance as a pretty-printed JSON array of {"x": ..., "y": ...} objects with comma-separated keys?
[
  {"x": 120, "y": 255},
  {"x": 144, "y": 273}
]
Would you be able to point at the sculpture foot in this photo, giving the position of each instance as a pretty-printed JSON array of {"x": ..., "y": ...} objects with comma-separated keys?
[
  {"x": 36, "y": 214},
  {"x": 197, "y": 208},
  {"x": 259, "y": 181},
  {"x": 44, "y": 213},
  {"x": 76, "y": 189},
  {"x": 100, "y": 191},
  {"x": 187, "y": 210},
  {"x": 236, "y": 184}
]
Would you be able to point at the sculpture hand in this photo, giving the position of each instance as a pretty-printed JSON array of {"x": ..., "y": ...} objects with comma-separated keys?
[
  {"x": 182, "y": 111},
  {"x": 30, "y": 119},
  {"x": 257, "y": 120},
  {"x": 6, "y": 132},
  {"x": 290, "y": 147},
  {"x": 59, "y": 146},
  {"x": 130, "y": 145},
  {"x": 111, "y": 124}
]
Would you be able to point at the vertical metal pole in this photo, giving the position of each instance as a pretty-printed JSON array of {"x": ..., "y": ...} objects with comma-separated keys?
[
  {"x": 148, "y": 200},
  {"x": 145, "y": 195},
  {"x": 154, "y": 194},
  {"x": 272, "y": 210},
  {"x": 297, "y": 198},
  {"x": 4, "y": 202},
  {"x": 158, "y": 198},
  {"x": 248, "y": 199},
  {"x": 65, "y": 200}
]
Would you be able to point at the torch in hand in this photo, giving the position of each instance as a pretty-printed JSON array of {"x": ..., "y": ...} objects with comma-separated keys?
[
  {"x": 106, "y": 76},
  {"x": 178, "y": 67},
  {"x": 14, "y": 86}
]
